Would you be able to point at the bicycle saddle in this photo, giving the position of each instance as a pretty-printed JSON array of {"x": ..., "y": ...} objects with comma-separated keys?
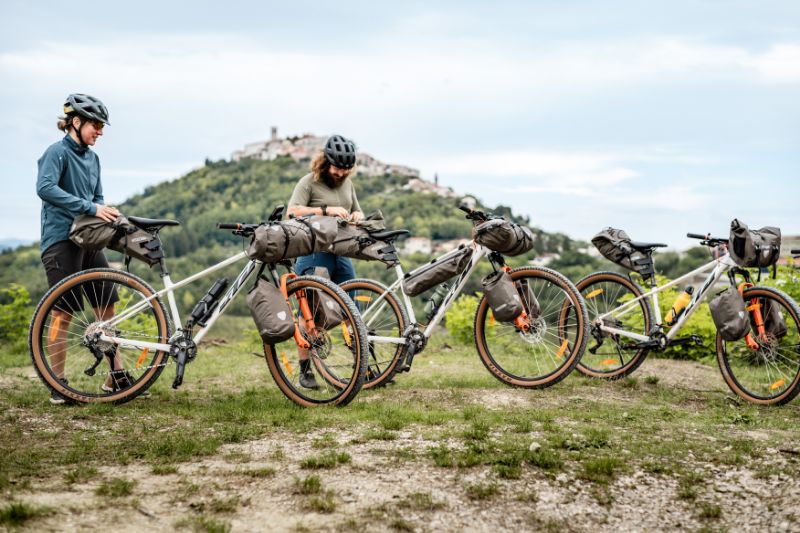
[
  {"x": 151, "y": 223},
  {"x": 389, "y": 235},
  {"x": 644, "y": 246}
]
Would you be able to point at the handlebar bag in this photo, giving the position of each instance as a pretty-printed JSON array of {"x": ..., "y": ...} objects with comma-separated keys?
[
  {"x": 270, "y": 311},
  {"x": 437, "y": 271},
  {"x": 729, "y": 314},
  {"x": 502, "y": 295},
  {"x": 503, "y": 236},
  {"x": 287, "y": 239},
  {"x": 754, "y": 248}
]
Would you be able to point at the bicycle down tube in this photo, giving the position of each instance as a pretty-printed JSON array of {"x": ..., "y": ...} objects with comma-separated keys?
[
  {"x": 170, "y": 288},
  {"x": 717, "y": 267}
]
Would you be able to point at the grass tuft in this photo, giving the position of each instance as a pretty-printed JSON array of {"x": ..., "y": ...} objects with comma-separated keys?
[{"x": 116, "y": 488}]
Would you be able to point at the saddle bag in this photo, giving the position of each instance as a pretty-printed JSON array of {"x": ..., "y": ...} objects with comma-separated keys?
[
  {"x": 121, "y": 235},
  {"x": 615, "y": 245},
  {"x": 355, "y": 241}
]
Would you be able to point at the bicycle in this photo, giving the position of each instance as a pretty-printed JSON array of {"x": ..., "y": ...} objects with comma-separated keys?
[
  {"x": 537, "y": 349},
  {"x": 68, "y": 345},
  {"x": 626, "y": 324}
]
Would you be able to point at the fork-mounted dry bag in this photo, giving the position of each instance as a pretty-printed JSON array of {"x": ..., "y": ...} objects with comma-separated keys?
[{"x": 729, "y": 314}]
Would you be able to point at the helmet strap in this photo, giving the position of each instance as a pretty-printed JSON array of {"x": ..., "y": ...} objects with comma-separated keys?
[{"x": 81, "y": 124}]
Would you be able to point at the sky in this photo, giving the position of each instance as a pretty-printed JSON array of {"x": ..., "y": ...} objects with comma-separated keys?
[{"x": 660, "y": 118}]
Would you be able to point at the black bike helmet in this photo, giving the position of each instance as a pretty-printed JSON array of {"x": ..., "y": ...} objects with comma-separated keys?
[
  {"x": 86, "y": 106},
  {"x": 340, "y": 152}
]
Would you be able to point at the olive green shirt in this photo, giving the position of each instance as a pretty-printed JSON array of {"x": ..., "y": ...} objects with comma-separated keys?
[{"x": 312, "y": 193}]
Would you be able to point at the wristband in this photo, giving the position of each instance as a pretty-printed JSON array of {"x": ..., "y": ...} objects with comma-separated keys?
[{"x": 324, "y": 210}]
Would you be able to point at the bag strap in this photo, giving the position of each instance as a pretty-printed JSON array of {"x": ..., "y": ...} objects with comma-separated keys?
[
  {"x": 286, "y": 241},
  {"x": 307, "y": 224},
  {"x": 258, "y": 276}
]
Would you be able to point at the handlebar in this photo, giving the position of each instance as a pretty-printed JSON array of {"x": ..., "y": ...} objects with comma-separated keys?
[
  {"x": 474, "y": 214},
  {"x": 795, "y": 251},
  {"x": 239, "y": 228},
  {"x": 707, "y": 239}
]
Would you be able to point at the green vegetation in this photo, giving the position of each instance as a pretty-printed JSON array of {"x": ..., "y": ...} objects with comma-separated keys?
[
  {"x": 116, "y": 488},
  {"x": 17, "y": 513}
]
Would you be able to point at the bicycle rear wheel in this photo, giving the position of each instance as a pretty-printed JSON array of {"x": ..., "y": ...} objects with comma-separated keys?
[
  {"x": 64, "y": 337},
  {"x": 611, "y": 356},
  {"x": 383, "y": 316},
  {"x": 768, "y": 374},
  {"x": 554, "y": 337},
  {"x": 335, "y": 364}
]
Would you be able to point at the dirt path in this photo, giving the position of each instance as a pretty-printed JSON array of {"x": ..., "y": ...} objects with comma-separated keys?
[{"x": 393, "y": 485}]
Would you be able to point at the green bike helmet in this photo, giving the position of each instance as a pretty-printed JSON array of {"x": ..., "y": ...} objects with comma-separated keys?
[{"x": 86, "y": 106}]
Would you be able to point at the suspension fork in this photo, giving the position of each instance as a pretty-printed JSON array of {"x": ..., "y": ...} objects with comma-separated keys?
[
  {"x": 521, "y": 322},
  {"x": 755, "y": 308},
  {"x": 305, "y": 312}
]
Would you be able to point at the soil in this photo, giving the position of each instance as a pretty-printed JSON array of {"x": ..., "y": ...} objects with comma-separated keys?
[{"x": 376, "y": 490}]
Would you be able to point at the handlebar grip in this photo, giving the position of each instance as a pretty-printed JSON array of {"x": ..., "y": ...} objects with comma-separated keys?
[
  {"x": 227, "y": 225},
  {"x": 697, "y": 236},
  {"x": 795, "y": 251},
  {"x": 465, "y": 208}
]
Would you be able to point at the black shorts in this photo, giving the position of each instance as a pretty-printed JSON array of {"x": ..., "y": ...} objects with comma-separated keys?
[{"x": 65, "y": 258}]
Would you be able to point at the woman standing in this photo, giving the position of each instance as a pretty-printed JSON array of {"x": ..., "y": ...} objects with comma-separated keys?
[
  {"x": 69, "y": 185},
  {"x": 327, "y": 190}
]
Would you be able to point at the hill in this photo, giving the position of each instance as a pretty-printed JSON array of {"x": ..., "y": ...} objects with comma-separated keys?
[{"x": 246, "y": 191}]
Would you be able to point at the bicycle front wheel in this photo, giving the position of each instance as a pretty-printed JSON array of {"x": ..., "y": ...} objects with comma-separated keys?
[
  {"x": 550, "y": 344},
  {"x": 383, "y": 317},
  {"x": 331, "y": 371},
  {"x": 65, "y": 344},
  {"x": 768, "y": 371},
  {"x": 609, "y": 355}
]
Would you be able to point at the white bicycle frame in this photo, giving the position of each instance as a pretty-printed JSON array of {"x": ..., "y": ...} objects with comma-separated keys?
[
  {"x": 717, "y": 268},
  {"x": 479, "y": 252},
  {"x": 169, "y": 289}
]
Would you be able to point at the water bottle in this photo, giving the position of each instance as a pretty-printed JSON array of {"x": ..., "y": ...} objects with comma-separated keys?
[
  {"x": 678, "y": 307},
  {"x": 436, "y": 300}
]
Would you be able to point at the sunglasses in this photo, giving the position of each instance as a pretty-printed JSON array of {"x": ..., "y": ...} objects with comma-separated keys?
[{"x": 96, "y": 124}]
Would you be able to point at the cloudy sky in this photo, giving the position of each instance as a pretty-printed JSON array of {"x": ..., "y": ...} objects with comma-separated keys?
[{"x": 660, "y": 118}]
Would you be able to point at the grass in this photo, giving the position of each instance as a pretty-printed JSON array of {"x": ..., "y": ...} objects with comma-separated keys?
[
  {"x": 115, "y": 488},
  {"x": 420, "y": 501},
  {"x": 482, "y": 490},
  {"x": 204, "y": 524},
  {"x": 327, "y": 460},
  {"x": 15, "y": 514},
  {"x": 309, "y": 485},
  {"x": 586, "y": 430}
]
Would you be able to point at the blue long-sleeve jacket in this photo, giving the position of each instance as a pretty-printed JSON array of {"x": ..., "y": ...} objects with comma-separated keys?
[{"x": 69, "y": 185}]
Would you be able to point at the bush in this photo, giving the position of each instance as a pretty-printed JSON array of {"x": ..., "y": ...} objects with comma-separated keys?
[
  {"x": 460, "y": 319},
  {"x": 15, "y": 313}
]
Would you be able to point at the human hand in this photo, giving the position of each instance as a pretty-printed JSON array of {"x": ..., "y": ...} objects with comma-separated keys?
[
  {"x": 340, "y": 212},
  {"x": 106, "y": 212},
  {"x": 355, "y": 216}
]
